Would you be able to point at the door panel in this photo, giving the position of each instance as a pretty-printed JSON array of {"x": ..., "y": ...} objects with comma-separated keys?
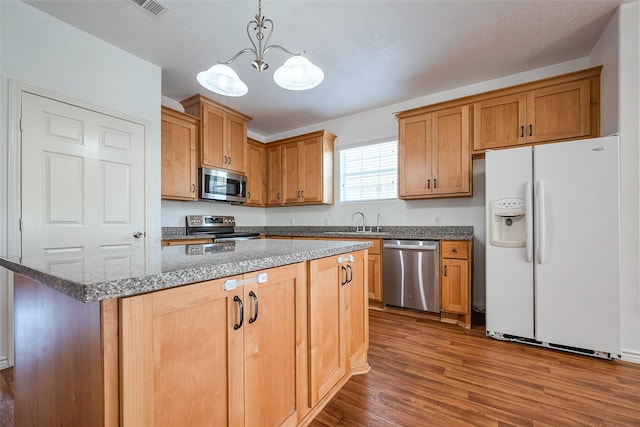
[
  {"x": 578, "y": 257},
  {"x": 559, "y": 112},
  {"x": 451, "y": 159},
  {"x": 415, "y": 154},
  {"x": 83, "y": 177},
  {"x": 509, "y": 276},
  {"x": 499, "y": 122}
]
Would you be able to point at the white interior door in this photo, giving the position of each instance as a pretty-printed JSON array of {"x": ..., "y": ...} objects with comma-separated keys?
[{"x": 83, "y": 178}]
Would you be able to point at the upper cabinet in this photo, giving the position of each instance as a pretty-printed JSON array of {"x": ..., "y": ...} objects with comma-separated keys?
[
  {"x": 179, "y": 150},
  {"x": 560, "y": 108},
  {"x": 224, "y": 134},
  {"x": 436, "y": 142},
  {"x": 256, "y": 162},
  {"x": 546, "y": 114},
  {"x": 301, "y": 170},
  {"x": 434, "y": 154}
]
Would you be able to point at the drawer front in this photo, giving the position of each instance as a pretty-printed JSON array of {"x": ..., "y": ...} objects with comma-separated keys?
[
  {"x": 375, "y": 250},
  {"x": 453, "y": 249}
]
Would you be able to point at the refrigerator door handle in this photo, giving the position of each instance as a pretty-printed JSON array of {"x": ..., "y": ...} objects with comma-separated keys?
[
  {"x": 528, "y": 218},
  {"x": 542, "y": 226}
]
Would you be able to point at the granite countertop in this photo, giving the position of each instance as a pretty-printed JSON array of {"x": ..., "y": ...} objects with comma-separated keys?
[
  {"x": 95, "y": 276},
  {"x": 388, "y": 232}
]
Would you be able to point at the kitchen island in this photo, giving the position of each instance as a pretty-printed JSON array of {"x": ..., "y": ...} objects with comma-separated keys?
[{"x": 259, "y": 332}]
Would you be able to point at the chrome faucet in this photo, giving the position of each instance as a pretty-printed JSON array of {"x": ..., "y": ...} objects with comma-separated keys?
[{"x": 363, "y": 220}]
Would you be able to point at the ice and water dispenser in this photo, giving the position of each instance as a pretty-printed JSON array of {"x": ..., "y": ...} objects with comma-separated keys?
[{"x": 508, "y": 223}]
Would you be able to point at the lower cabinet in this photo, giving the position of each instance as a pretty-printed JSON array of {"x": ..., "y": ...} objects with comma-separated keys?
[
  {"x": 455, "y": 282},
  {"x": 375, "y": 271},
  {"x": 268, "y": 348},
  {"x": 203, "y": 355},
  {"x": 338, "y": 321}
]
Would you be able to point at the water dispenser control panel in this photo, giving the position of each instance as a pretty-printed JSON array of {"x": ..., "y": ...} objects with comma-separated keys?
[{"x": 509, "y": 207}]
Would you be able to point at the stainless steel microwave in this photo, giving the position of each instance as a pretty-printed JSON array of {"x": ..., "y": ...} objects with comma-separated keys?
[{"x": 222, "y": 185}]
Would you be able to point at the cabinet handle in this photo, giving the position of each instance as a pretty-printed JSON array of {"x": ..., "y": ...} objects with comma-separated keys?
[
  {"x": 255, "y": 307},
  {"x": 239, "y": 301},
  {"x": 298, "y": 194},
  {"x": 278, "y": 195},
  {"x": 521, "y": 131},
  {"x": 343, "y": 282},
  {"x": 454, "y": 250},
  {"x": 445, "y": 271},
  {"x": 429, "y": 183},
  {"x": 229, "y": 160},
  {"x": 350, "y": 271},
  {"x": 435, "y": 183},
  {"x": 193, "y": 188},
  {"x": 302, "y": 193},
  {"x": 248, "y": 194},
  {"x": 225, "y": 160},
  {"x": 530, "y": 130}
]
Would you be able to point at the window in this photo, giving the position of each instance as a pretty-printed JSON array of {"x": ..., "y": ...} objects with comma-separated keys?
[{"x": 369, "y": 172}]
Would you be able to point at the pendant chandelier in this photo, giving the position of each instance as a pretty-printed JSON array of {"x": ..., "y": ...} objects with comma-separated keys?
[{"x": 297, "y": 73}]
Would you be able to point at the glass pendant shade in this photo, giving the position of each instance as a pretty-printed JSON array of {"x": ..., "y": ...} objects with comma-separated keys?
[
  {"x": 223, "y": 80},
  {"x": 298, "y": 73}
]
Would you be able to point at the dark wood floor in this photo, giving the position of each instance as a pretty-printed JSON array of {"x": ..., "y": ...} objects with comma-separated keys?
[
  {"x": 425, "y": 373},
  {"x": 6, "y": 398}
]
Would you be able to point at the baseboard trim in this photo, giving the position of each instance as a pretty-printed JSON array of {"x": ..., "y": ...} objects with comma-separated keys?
[{"x": 631, "y": 356}]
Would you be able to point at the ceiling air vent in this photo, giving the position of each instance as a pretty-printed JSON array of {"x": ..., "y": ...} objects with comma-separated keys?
[{"x": 152, "y": 7}]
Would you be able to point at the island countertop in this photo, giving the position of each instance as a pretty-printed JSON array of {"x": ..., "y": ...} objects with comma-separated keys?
[{"x": 94, "y": 276}]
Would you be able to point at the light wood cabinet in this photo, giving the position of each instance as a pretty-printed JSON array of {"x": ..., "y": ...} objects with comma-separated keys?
[
  {"x": 223, "y": 134},
  {"x": 552, "y": 110},
  {"x": 375, "y": 271},
  {"x": 256, "y": 173},
  {"x": 274, "y": 175},
  {"x": 434, "y": 154},
  {"x": 455, "y": 281},
  {"x": 199, "y": 354},
  {"x": 338, "y": 321},
  {"x": 304, "y": 175},
  {"x": 180, "y": 138}
]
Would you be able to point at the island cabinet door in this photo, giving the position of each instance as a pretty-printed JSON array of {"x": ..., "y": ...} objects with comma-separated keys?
[
  {"x": 357, "y": 307},
  {"x": 182, "y": 357},
  {"x": 327, "y": 330},
  {"x": 275, "y": 347}
]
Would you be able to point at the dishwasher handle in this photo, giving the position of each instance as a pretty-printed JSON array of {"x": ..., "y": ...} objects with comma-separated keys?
[{"x": 411, "y": 247}]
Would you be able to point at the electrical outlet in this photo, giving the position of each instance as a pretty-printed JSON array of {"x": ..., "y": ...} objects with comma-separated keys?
[
  {"x": 290, "y": 221},
  {"x": 326, "y": 221},
  {"x": 437, "y": 220}
]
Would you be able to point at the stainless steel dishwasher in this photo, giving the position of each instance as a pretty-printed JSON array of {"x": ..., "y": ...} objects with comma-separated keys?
[{"x": 411, "y": 274}]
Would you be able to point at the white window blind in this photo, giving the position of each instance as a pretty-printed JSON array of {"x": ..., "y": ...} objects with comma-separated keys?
[{"x": 369, "y": 172}]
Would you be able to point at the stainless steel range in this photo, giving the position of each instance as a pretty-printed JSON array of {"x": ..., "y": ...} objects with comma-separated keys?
[{"x": 219, "y": 228}]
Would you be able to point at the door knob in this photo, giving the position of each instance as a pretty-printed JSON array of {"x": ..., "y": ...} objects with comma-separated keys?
[{"x": 138, "y": 234}]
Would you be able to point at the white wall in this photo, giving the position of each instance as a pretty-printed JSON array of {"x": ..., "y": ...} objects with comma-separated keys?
[
  {"x": 629, "y": 122},
  {"x": 41, "y": 51},
  {"x": 618, "y": 50}
]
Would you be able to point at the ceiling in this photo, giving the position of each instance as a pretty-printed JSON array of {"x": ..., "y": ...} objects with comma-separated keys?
[{"x": 373, "y": 52}]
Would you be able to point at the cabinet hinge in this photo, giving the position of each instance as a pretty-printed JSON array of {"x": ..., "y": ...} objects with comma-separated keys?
[
  {"x": 20, "y": 124},
  {"x": 21, "y": 225}
]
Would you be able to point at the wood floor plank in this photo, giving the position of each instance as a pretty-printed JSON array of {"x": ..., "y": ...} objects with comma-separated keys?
[{"x": 425, "y": 373}]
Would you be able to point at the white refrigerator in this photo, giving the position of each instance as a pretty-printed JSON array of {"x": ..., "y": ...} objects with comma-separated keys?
[{"x": 553, "y": 245}]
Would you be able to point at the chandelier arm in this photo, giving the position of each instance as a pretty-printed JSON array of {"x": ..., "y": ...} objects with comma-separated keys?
[
  {"x": 277, "y": 46},
  {"x": 234, "y": 57}
]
